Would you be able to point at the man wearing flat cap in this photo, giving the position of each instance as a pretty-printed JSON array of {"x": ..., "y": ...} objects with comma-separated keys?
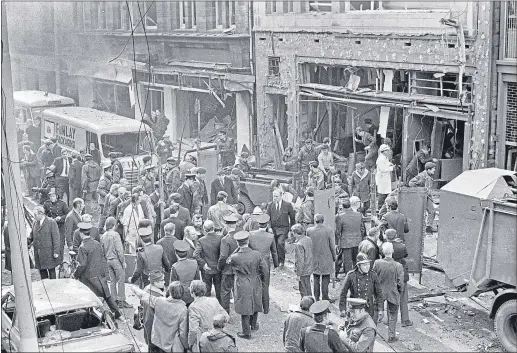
[
  {"x": 306, "y": 155},
  {"x": 264, "y": 242},
  {"x": 320, "y": 337},
  {"x": 250, "y": 271},
  {"x": 358, "y": 335},
  {"x": 90, "y": 177},
  {"x": 425, "y": 179},
  {"x": 91, "y": 269},
  {"x": 223, "y": 183},
  {"x": 117, "y": 171},
  {"x": 228, "y": 246},
  {"x": 172, "y": 176},
  {"x": 149, "y": 258}
]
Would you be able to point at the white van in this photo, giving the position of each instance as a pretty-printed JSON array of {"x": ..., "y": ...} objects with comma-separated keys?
[
  {"x": 30, "y": 104},
  {"x": 78, "y": 127}
]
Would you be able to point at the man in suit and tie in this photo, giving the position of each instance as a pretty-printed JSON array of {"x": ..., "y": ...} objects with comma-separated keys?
[
  {"x": 282, "y": 216},
  {"x": 63, "y": 166},
  {"x": 222, "y": 183},
  {"x": 349, "y": 234},
  {"x": 395, "y": 220}
]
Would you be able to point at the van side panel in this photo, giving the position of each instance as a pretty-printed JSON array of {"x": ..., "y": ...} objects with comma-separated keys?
[{"x": 68, "y": 136}]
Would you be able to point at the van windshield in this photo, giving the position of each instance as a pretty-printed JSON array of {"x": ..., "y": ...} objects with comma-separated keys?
[{"x": 129, "y": 143}]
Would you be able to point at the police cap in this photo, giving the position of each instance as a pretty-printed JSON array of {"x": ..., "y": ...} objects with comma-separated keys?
[
  {"x": 430, "y": 165},
  {"x": 343, "y": 195},
  {"x": 241, "y": 235},
  {"x": 262, "y": 218},
  {"x": 308, "y": 141},
  {"x": 87, "y": 155},
  {"x": 356, "y": 303},
  {"x": 319, "y": 307},
  {"x": 190, "y": 176},
  {"x": 171, "y": 159},
  {"x": 230, "y": 219},
  {"x": 146, "y": 159},
  {"x": 84, "y": 225},
  {"x": 145, "y": 232},
  {"x": 52, "y": 191},
  {"x": 313, "y": 164},
  {"x": 181, "y": 245}
]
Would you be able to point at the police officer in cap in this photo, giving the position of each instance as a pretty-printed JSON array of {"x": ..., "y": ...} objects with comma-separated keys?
[
  {"x": 358, "y": 334},
  {"x": 150, "y": 257},
  {"x": 185, "y": 270},
  {"x": 264, "y": 242},
  {"x": 228, "y": 246},
  {"x": 320, "y": 337},
  {"x": 250, "y": 271},
  {"x": 91, "y": 269}
]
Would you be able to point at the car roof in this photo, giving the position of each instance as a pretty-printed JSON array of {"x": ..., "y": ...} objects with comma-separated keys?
[
  {"x": 53, "y": 296},
  {"x": 40, "y": 99},
  {"x": 95, "y": 120}
]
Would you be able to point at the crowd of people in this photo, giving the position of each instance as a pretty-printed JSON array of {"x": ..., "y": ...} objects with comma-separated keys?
[{"x": 189, "y": 245}]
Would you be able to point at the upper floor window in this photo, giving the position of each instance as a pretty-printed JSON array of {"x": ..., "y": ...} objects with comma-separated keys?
[
  {"x": 188, "y": 19},
  {"x": 510, "y": 30},
  {"x": 274, "y": 66},
  {"x": 224, "y": 14},
  {"x": 320, "y": 6},
  {"x": 149, "y": 8}
]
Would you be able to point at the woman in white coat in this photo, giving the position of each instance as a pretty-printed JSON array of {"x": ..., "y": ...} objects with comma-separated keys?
[{"x": 383, "y": 175}]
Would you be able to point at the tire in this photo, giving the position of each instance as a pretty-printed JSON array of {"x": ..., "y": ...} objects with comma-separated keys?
[
  {"x": 245, "y": 205},
  {"x": 505, "y": 325}
]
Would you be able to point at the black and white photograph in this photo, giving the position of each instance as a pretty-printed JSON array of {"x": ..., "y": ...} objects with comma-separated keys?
[{"x": 258, "y": 176}]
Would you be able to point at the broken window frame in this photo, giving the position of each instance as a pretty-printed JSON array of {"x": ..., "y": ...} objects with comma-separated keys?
[
  {"x": 273, "y": 65},
  {"x": 320, "y": 6},
  {"x": 151, "y": 15}
]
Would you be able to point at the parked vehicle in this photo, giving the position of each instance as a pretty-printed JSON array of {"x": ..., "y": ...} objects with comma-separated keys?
[
  {"x": 70, "y": 318},
  {"x": 476, "y": 242},
  {"x": 30, "y": 104},
  {"x": 78, "y": 127}
]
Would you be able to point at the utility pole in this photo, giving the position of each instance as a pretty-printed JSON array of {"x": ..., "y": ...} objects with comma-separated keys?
[
  {"x": 57, "y": 57},
  {"x": 25, "y": 317}
]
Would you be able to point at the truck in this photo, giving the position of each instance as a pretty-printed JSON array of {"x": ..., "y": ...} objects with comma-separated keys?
[
  {"x": 476, "y": 244},
  {"x": 31, "y": 104}
]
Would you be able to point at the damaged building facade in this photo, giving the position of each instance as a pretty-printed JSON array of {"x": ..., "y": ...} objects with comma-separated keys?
[
  {"x": 420, "y": 71},
  {"x": 188, "y": 59}
]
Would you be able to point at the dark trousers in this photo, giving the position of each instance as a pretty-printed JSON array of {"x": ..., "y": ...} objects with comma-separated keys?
[
  {"x": 346, "y": 258},
  {"x": 215, "y": 279},
  {"x": 404, "y": 311},
  {"x": 226, "y": 291},
  {"x": 63, "y": 188},
  {"x": 325, "y": 281},
  {"x": 280, "y": 239},
  {"x": 393, "y": 311},
  {"x": 305, "y": 286},
  {"x": 380, "y": 200},
  {"x": 365, "y": 207},
  {"x": 48, "y": 273},
  {"x": 248, "y": 323},
  {"x": 265, "y": 288}
]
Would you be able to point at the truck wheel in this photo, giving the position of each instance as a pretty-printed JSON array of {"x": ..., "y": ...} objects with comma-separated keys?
[
  {"x": 245, "y": 205},
  {"x": 505, "y": 325}
]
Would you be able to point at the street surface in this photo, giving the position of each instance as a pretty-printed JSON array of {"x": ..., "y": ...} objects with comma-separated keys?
[{"x": 443, "y": 323}]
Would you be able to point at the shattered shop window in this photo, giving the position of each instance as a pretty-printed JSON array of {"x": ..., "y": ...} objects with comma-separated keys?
[
  {"x": 320, "y": 6},
  {"x": 274, "y": 66}
]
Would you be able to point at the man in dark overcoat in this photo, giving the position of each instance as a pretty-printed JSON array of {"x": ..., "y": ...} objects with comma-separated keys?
[
  {"x": 282, "y": 217},
  {"x": 92, "y": 266},
  {"x": 222, "y": 183},
  {"x": 57, "y": 210},
  {"x": 264, "y": 242},
  {"x": 250, "y": 270},
  {"x": 44, "y": 237},
  {"x": 324, "y": 256}
]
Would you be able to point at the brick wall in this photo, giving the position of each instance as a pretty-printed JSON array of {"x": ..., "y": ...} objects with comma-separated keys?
[{"x": 511, "y": 112}]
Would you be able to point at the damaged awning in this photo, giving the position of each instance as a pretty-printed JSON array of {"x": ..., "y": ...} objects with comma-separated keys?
[
  {"x": 105, "y": 72},
  {"x": 448, "y": 108}
]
